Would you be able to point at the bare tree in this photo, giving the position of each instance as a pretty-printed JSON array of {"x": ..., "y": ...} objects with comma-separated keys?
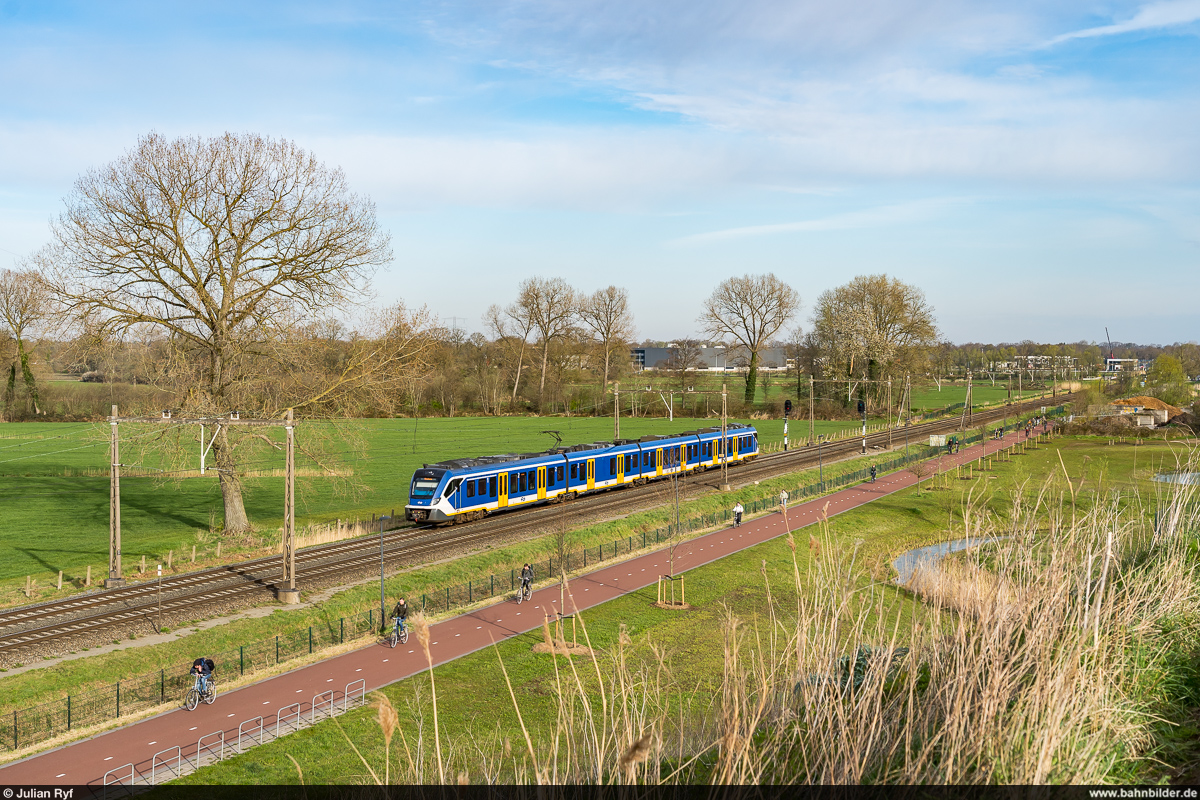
[
  {"x": 507, "y": 324},
  {"x": 222, "y": 243},
  {"x": 550, "y": 304},
  {"x": 750, "y": 310},
  {"x": 684, "y": 356},
  {"x": 872, "y": 323},
  {"x": 23, "y": 305},
  {"x": 606, "y": 313}
]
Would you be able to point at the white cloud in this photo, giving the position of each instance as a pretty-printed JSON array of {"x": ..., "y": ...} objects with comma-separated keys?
[
  {"x": 1151, "y": 16},
  {"x": 896, "y": 214}
]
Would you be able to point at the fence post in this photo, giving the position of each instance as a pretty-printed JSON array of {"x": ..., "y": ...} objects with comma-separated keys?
[
  {"x": 342, "y": 635},
  {"x": 493, "y": 590},
  {"x": 310, "y": 642},
  {"x": 447, "y": 598},
  {"x": 162, "y": 686},
  {"x": 470, "y": 592},
  {"x": 242, "y": 660},
  {"x": 68, "y": 712},
  {"x": 276, "y": 649},
  {"x": 118, "y": 699}
]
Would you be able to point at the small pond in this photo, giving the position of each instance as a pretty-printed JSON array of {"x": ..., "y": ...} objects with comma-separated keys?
[
  {"x": 907, "y": 563},
  {"x": 1190, "y": 478}
]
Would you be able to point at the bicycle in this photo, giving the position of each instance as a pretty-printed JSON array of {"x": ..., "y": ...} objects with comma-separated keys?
[
  {"x": 399, "y": 634},
  {"x": 524, "y": 592},
  {"x": 195, "y": 695}
]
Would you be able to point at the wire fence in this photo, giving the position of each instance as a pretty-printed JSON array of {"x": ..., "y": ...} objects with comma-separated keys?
[{"x": 32, "y": 725}]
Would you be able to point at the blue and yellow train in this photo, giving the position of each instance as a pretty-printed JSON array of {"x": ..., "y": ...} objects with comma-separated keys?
[{"x": 471, "y": 488}]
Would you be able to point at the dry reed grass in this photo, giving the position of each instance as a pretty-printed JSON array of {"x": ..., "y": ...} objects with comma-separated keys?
[{"x": 1033, "y": 662}]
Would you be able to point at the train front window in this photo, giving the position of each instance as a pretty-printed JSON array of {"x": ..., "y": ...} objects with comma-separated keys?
[{"x": 424, "y": 487}]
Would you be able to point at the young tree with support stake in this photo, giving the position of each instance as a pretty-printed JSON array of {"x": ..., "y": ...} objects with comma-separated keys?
[{"x": 222, "y": 244}]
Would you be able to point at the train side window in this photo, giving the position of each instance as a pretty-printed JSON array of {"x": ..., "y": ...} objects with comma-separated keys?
[
  {"x": 653, "y": 458},
  {"x": 574, "y": 471},
  {"x": 560, "y": 474},
  {"x": 470, "y": 488},
  {"x": 533, "y": 480},
  {"x": 521, "y": 482},
  {"x": 612, "y": 466},
  {"x": 453, "y": 485},
  {"x": 492, "y": 486},
  {"x": 550, "y": 475}
]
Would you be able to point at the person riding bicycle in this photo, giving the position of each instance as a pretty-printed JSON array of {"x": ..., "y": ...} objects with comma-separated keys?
[
  {"x": 526, "y": 578},
  {"x": 737, "y": 514},
  {"x": 872, "y": 473},
  {"x": 203, "y": 668},
  {"x": 399, "y": 615}
]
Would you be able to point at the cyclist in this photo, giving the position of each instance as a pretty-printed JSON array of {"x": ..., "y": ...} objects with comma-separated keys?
[
  {"x": 872, "y": 473},
  {"x": 399, "y": 615},
  {"x": 203, "y": 668},
  {"x": 783, "y": 498},
  {"x": 527, "y": 579},
  {"x": 737, "y": 514}
]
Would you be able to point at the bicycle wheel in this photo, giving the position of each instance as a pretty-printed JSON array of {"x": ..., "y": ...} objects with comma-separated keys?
[
  {"x": 403, "y": 636},
  {"x": 392, "y": 639},
  {"x": 528, "y": 592},
  {"x": 211, "y": 694},
  {"x": 192, "y": 699}
]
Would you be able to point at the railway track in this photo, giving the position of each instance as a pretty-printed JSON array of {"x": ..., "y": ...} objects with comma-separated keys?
[{"x": 187, "y": 596}]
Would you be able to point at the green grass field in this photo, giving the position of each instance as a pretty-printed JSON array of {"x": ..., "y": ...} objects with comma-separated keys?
[
  {"x": 54, "y": 484},
  {"x": 693, "y": 641}
]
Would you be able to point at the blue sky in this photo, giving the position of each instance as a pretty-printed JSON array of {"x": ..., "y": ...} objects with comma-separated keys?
[{"x": 1034, "y": 167}]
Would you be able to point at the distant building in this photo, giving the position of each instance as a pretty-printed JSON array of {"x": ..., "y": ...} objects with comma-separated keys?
[{"x": 710, "y": 359}]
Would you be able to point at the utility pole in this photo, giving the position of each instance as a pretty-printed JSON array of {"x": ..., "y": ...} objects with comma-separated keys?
[
  {"x": 288, "y": 593},
  {"x": 724, "y": 442},
  {"x": 115, "y": 578},
  {"x": 963, "y": 420},
  {"x": 908, "y": 418},
  {"x": 889, "y": 414},
  {"x": 616, "y": 411}
]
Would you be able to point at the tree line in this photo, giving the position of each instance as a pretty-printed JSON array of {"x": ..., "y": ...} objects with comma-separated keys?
[{"x": 233, "y": 273}]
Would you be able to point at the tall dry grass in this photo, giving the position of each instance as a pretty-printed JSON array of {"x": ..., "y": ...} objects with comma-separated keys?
[{"x": 1036, "y": 660}]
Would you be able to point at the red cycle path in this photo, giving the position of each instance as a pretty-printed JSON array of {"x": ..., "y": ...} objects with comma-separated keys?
[{"x": 86, "y": 762}]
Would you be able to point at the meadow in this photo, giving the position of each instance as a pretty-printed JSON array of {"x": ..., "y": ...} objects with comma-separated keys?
[
  {"x": 707, "y": 690},
  {"x": 54, "y": 481}
]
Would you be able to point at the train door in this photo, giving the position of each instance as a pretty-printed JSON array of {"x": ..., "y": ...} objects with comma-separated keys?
[
  {"x": 715, "y": 444},
  {"x": 683, "y": 457},
  {"x": 658, "y": 461},
  {"x": 503, "y": 501},
  {"x": 591, "y": 474},
  {"x": 621, "y": 468},
  {"x": 541, "y": 483},
  {"x": 733, "y": 448}
]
